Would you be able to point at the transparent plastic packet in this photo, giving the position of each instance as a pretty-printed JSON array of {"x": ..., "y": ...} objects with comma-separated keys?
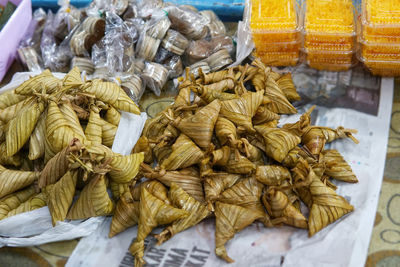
[
  {"x": 189, "y": 23},
  {"x": 175, "y": 42},
  {"x": 215, "y": 26},
  {"x": 155, "y": 76},
  {"x": 133, "y": 86},
  {"x": 83, "y": 63},
  {"x": 89, "y": 32},
  {"x": 219, "y": 59},
  {"x": 175, "y": 66},
  {"x": 30, "y": 59},
  {"x": 201, "y": 49},
  {"x": 194, "y": 68},
  {"x": 162, "y": 55},
  {"x": 66, "y": 18},
  {"x": 147, "y": 47},
  {"x": 158, "y": 25},
  {"x": 116, "y": 6}
]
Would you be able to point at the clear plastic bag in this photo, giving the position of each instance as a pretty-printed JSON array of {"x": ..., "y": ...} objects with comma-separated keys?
[
  {"x": 155, "y": 75},
  {"x": 133, "y": 87},
  {"x": 219, "y": 60},
  {"x": 203, "y": 65},
  {"x": 174, "y": 66},
  {"x": 83, "y": 63},
  {"x": 158, "y": 25},
  {"x": 163, "y": 55},
  {"x": 215, "y": 25},
  {"x": 147, "y": 47},
  {"x": 175, "y": 42},
  {"x": 187, "y": 22},
  {"x": 201, "y": 49}
]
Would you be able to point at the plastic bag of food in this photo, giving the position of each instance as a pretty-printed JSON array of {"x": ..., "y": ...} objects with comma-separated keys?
[
  {"x": 155, "y": 75},
  {"x": 175, "y": 42},
  {"x": 215, "y": 26},
  {"x": 174, "y": 66}
]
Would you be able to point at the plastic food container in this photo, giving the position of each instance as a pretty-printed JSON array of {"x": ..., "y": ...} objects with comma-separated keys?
[
  {"x": 12, "y": 33},
  {"x": 381, "y": 17},
  {"x": 379, "y": 51},
  {"x": 329, "y": 66},
  {"x": 312, "y": 45},
  {"x": 279, "y": 59},
  {"x": 280, "y": 47},
  {"x": 382, "y": 68},
  {"x": 327, "y": 57}
]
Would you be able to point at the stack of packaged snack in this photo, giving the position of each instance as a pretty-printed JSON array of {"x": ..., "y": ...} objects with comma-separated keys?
[
  {"x": 379, "y": 36},
  {"x": 276, "y": 31},
  {"x": 329, "y": 34}
]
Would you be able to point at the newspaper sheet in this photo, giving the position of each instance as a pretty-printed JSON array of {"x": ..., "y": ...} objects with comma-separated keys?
[{"x": 362, "y": 102}]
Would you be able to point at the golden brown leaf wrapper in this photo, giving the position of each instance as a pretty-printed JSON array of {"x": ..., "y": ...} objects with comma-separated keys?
[
  {"x": 112, "y": 94},
  {"x": 183, "y": 98},
  {"x": 153, "y": 212},
  {"x": 11, "y": 112},
  {"x": 154, "y": 127},
  {"x": 272, "y": 175},
  {"x": 161, "y": 152},
  {"x": 113, "y": 116},
  {"x": 185, "y": 153},
  {"x": 280, "y": 103},
  {"x": 216, "y": 183},
  {"x": 142, "y": 145},
  {"x": 72, "y": 119},
  {"x": 155, "y": 188},
  {"x": 278, "y": 142},
  {"x": 292, "y": 158},
  {"x": 225, "y": 131},
  {"x": 12, "y": 201},
  {"x": 279, "y": 206},
  {"x": 10, "y": 98},
  {"x": 12, "y": 180},
  {"x": 108, "y": 133},
  {"x": 57, "y": 166},
  {"x": 93, "y": 200},
  {"x": 125, "y": 168},
  {"x": 21, "y": 127},
  {"x": 188, "y": 179},
  {"x": 327, "y": 206},
  {"x": 264, "y": 115},
  {"x": 34, "y": 202},
  {"x": 301, "y": 126},
  {"x": 285, "y": 83},
  {"x": 220, "y": 157},
  {"x": 241, "y": 111},
  {"x": 197, "y": 212},
  {"x": 14, "y": 160},
  {"x": 60, "y": 196},
  {"x": 239, "y": 164},
  {"x": 93, "y": 130},
  {"x": 58, "y": 130},
  {"x": 72, "y": 79},
  {"x": 119, "y": 190},
  {"x": 44, "y": 80},
  {"x": 230, "y": 219},
  {"x": 253, "y": 153},
  {"x": 200, "y": 126},
  {"x": 37, "y": 139},
  {"x": 208, "y": 95},
  {"x": 337, "y": 167},
  {"x": 126, "y": 215},
  {"x": 316, "y": 137}
]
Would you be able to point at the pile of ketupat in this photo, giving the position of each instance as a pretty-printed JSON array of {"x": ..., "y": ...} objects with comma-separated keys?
[
  {"x": 223, "y": 155},
  {"x": 57, "y": 133},
  {"x": 220, "y": 154}
]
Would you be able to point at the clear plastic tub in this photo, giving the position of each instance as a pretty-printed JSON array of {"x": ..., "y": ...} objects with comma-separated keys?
[
  {"x": 279, "y": 58},
  {"x": 280, "y": 47},
  {"x": 382, "y": 68},
  {"x": 329, "y": 57},
  {"x": 381, "y": 17},
  {"x": 312, "y": 45},
  {"x": 329, "y": 66},
  {"x": 379, "y": 51},
  {"x": 264, "y": 36}
]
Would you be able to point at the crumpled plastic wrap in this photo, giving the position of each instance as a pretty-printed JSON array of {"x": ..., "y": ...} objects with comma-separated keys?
[
  {"x": 155, "y": 75},
  {"x": 187, "y": 22}
]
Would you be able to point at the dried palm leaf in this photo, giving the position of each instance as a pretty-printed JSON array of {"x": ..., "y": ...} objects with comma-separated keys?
[
  {"x": 213, "y": 77},
  {"x": 11, "y": 112},
  {"x": 153, "y": 212},
  {"x": 278, "y": 142},
  {"x": 72, "y": 118},
  {"x": 113, "y": 116},
  {"x": 126, "y": 215},
  {"x": 108, "y": 133},
  {"x": 230, "y": 219},
  {"x": 154, "y": 187},
  {"x": 93, "y": 200},
  {"x": 119, "y": 190},
  {"x": 21, "y": 127},
  {"x": 185, "y": 153},
  {"x": 208, "y": 95},
  {"x": 57, "y": 166},
  {"x": 93, "y": 131},
  {"x": 337, "y": 167},
  {"x": 72, "y": 79},
  {"x": 264, "y": 115},
  {"x": 161, "y": 152},
  {"x": 220, "y": 157},
  {"x": 291, "y": 158},
  {"x": 280, "y": 103},
  {"x": 302, "y": 176},
  {"x": 12, "y": 180},
  {"x": 278, "y": 205},
  {"x": 112, "y": 94},
  {"x": 216, "y": 183},
  {"x": 272, "y": 175},
  {"x": 37, "y": 139},
  {"x": 142, "y": 145},
  {"x": 60, "y": 196},
  {"x": 34, "y": 202},
  {"x": 285, "y": 83},
  {"x": 125, "y": 168},
  {"x": 300, "y": 127},
  {"x": 12, "y": 201},
  {"x": 182, "y": 200},
  {"x": 14, "y": 160},
  {"x": 239, "y": 164},
  {"x": 154, "y": 127},
  {"x": 225, "y": 131},
  {"x": 58, "y": 130},
  {"x": 316, "y": 137},
  {"x": 44, "y": 80},
  {"x": 183, "y": 98},
  {"x": 327, "y": 206},
  {"x": 200, "y": 126},
  {"x": 240, "y": 111},
  {"x": 188, "y": 179},
  {"x": 253, "y": 153},
  {"x": 10, "y": 98}
]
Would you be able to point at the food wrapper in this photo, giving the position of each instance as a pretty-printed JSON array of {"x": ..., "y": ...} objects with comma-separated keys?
[{"x": 35, "y": 227}]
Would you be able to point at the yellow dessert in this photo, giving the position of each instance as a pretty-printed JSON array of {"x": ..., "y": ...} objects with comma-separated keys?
[
  {"x": 383, "y": 12},
  {"x": 273, "y": 15}
]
